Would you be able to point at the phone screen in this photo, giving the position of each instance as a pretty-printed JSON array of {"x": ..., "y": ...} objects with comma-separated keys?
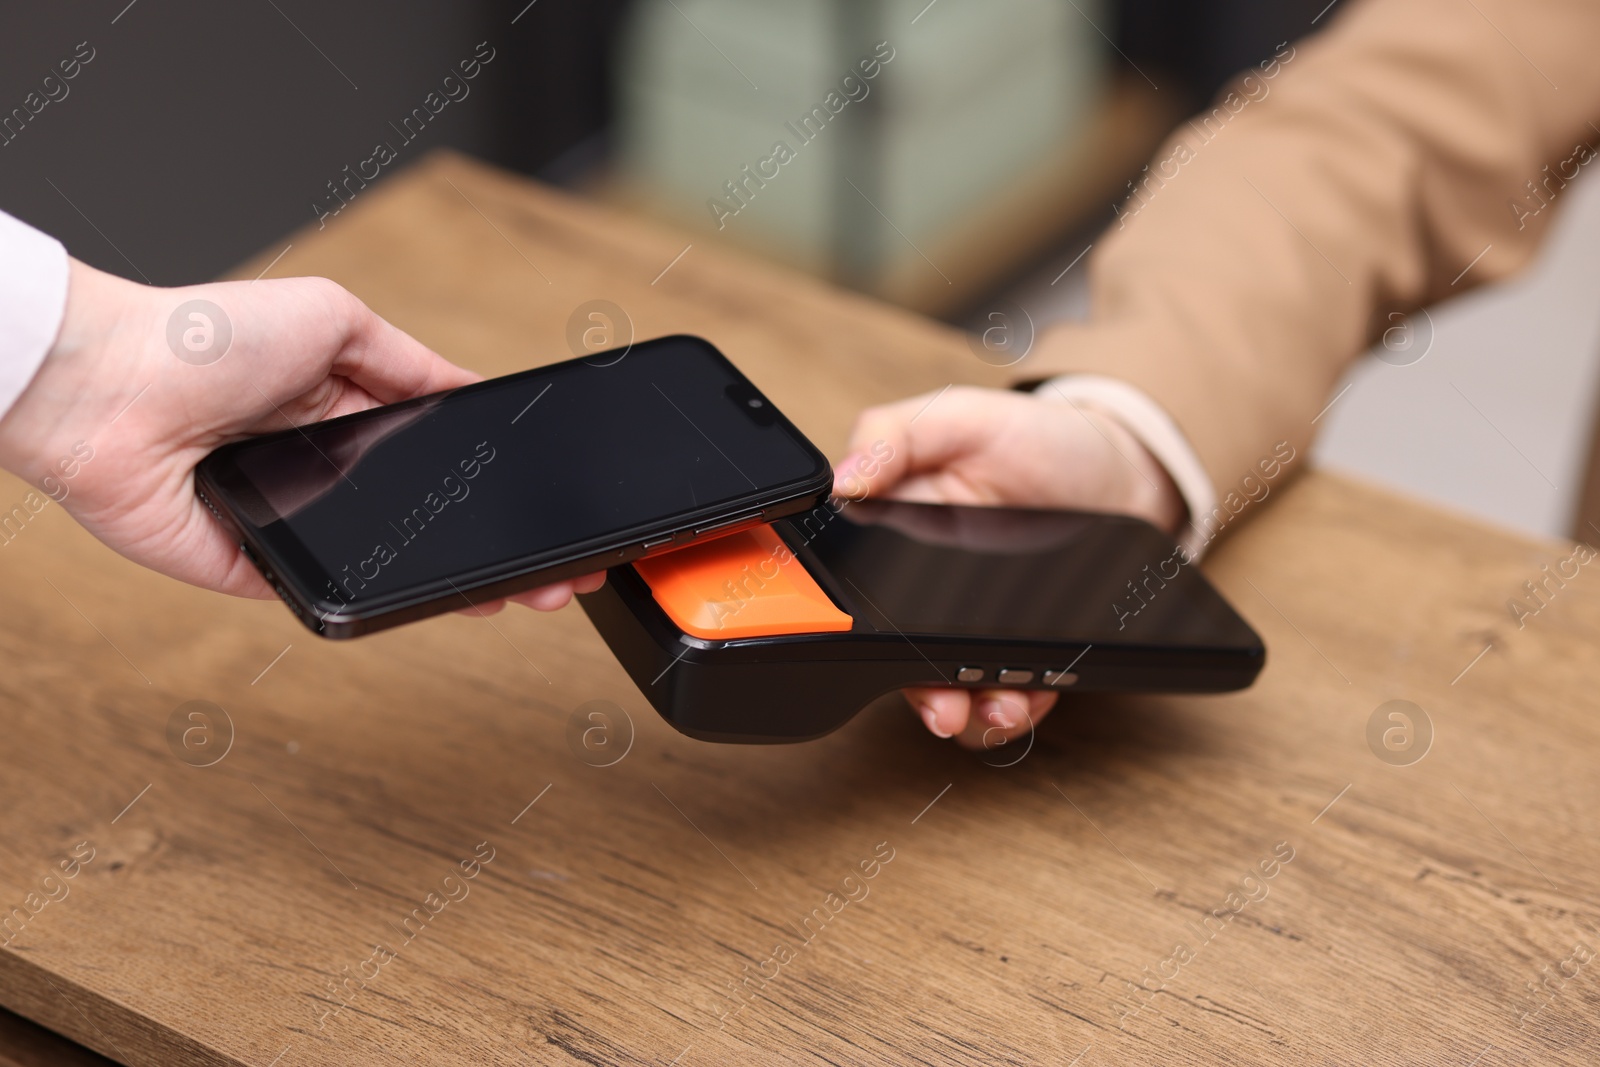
[
  {"x": 1016, "y": 573},
  {"x": 545, "y": 464}
]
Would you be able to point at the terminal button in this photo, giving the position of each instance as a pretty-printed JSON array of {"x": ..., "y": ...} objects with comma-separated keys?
[
  {"x": 969, "y": 674},
  {"x": 1015, "y": 676},
  {"x": 1060, "y": 678}
]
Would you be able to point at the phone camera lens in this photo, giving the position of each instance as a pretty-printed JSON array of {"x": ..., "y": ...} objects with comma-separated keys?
[{"x": 755, "y": 406}]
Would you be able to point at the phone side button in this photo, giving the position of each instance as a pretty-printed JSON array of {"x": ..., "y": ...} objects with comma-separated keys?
[
  {"x": 748, "y": 517},
  {"x": 1060, "y": 678},
  {"x": 1014, "y": 676},
  {"x": 657, "y": 543}
]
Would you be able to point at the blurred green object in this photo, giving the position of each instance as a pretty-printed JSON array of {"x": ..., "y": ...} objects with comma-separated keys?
[{"x": 850, "y": 136}]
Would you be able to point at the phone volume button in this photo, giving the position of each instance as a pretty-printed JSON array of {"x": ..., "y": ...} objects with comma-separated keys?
[
  {"x": 657, "y": 543},
  {"x": 748, "y": 517}
]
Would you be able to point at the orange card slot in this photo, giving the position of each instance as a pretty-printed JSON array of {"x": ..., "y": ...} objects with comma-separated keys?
[{"x": 745, "y": 584}]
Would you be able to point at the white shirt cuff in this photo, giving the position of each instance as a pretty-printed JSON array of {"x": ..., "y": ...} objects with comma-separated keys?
[
  {"x": 1150, "y": 423},
  {"x": 33, "y": 299}
]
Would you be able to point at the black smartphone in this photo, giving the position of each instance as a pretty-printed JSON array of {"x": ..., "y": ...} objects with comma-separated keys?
[{"x": 401, "y": 512}]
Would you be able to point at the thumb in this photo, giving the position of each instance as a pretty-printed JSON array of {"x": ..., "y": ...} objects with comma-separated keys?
[{"x": 892, "y": 443}]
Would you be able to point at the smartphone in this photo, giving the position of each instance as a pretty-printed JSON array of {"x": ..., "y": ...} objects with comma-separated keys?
[{"x": 405, "y": 511}]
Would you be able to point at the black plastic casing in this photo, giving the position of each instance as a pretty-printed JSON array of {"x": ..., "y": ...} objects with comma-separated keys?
[
  {"x": 791, "y": 688},
  {"x": 218, "y": 483}
]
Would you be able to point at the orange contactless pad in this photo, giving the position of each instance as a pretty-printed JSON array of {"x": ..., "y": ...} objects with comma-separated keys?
[{"x": 745, "y": 584}]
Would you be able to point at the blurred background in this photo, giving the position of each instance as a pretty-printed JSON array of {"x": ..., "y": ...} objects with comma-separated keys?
[{"x": 948, "y": 156}]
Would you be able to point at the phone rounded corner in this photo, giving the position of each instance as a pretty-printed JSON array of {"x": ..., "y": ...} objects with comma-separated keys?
[
  {"x": 693, "y": 338},
  {"x": 703, "y": 343},
  {"x": 329, "y": 619},
  {"x": 817, "y": 488}
]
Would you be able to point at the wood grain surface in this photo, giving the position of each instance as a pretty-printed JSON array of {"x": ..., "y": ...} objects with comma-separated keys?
[{"x": 304, "y": 899}]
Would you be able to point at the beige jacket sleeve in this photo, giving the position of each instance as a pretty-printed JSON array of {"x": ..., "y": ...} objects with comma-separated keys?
[{"x": 1357, "y": 174}]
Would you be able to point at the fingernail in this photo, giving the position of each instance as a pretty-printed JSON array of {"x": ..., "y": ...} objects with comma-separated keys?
[
  {"x": 999, "y": 713},
  {"x": 931, "y": 719}
]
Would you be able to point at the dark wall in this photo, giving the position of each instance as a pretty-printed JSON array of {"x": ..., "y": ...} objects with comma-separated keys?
[
  {"x": 201, "y": 132},
  {"x": 1195, "y": 46},
  {"x": 552, "y": 118}
]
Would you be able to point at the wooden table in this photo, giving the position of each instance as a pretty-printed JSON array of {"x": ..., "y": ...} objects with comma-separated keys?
[{"x": 630, "y": 913}]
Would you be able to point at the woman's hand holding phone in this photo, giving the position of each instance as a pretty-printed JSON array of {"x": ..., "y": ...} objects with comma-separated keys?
[
  {"x": 143, "y": 382},
  {"x": 997, "y": 447}
]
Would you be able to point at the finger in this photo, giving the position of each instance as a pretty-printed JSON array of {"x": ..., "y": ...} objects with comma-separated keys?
[
  {"x": 488, "y": 607},
  {"x": 385, "y": 361},
  {"x": 847, "y": 477},
  {"x": 944, "y": 487},
  {"x": 1003, "y": 715},
  {"x": 242, "y": 577},
  {"x": 545, "y": 598},
  {"x": 943, "y": 711},
  {"x": 998, "y": 716},
  {"x": 589, "y": 582},
  {"x": 883, "y": 432},
  {"x": 914, "y": 435},
  {"x": 551, "y": 597}
]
